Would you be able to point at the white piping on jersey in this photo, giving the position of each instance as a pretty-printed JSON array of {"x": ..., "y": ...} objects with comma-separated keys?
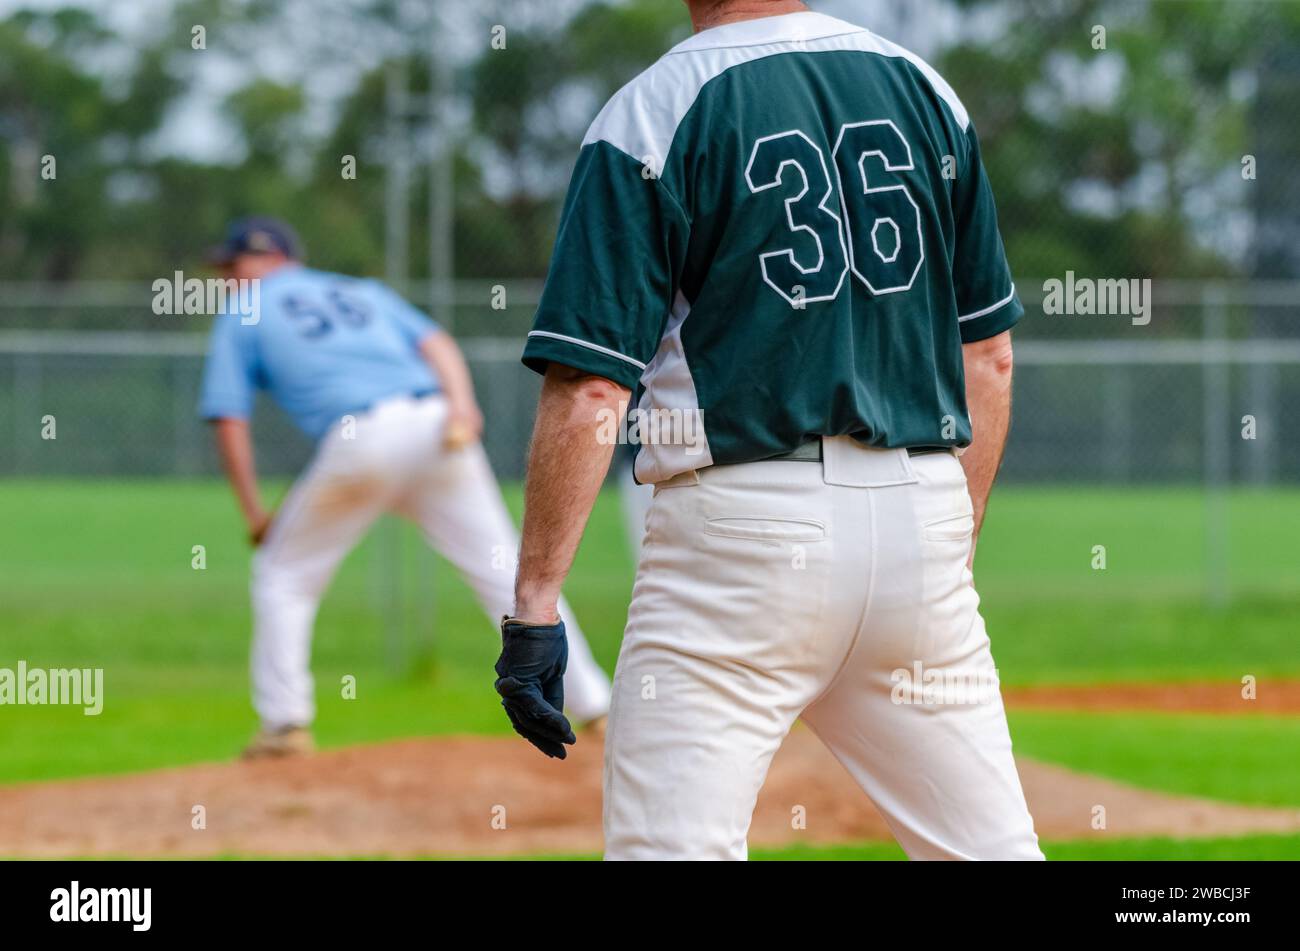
[
  {"x": 590, "y": 346},
  {"x": 988, "y": 310},
  {"x": 641, "y": 119}
]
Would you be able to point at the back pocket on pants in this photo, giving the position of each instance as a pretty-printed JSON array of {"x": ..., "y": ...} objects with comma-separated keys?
[
  {"x": 767, "y": 529},
  {"x": 953, "y": 528}
]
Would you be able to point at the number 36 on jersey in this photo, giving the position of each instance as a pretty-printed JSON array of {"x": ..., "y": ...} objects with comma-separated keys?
[{"x": 859, "y": 216}]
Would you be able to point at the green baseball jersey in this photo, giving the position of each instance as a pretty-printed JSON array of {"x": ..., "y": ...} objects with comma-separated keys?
[{"x": 780, "y": 230}]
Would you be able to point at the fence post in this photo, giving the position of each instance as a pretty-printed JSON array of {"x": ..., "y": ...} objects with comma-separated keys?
[
  {"x": 185, "y": 449},
  {"x": 1118, "y": 402},
  {"x": 1216, "y": 409},
  {"x": 442, "y": 267},
  {"x": 397, "y": 184},
  {"x": 27, "y": 411},
  {"x": 1262, "y": 390}
]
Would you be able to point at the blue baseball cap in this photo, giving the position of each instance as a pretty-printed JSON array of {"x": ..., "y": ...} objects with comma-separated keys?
[{"x": 257, "y": 235}]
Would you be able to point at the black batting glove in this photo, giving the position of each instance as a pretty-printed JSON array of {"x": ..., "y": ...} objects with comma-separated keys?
[{"x": 530, "y": 680}]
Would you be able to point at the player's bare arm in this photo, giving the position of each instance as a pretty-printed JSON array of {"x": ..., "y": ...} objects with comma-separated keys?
[
  {"x": 465, "y": 419},
  {"x": 988, "y": 366},
  {"x": 235, "y": 446},
  {"x": 566, "y": 466}
]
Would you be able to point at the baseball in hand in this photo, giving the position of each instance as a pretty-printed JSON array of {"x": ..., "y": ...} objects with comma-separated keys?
[
  {"x": 257, "y": 532},
  {"x": 457, "y": 435}
]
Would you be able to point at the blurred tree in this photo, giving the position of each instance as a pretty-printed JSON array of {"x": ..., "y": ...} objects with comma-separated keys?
[
  {"x": 1123, "y": 160},
  {"x": 531, "y": 104},
  {"x": 269, "y": 116},
  {"x": 56, "y": 126},
  {"x": 1116, "y": 161}
]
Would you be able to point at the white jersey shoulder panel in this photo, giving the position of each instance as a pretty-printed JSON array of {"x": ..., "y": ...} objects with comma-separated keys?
[{"x": 642, "y": 117}]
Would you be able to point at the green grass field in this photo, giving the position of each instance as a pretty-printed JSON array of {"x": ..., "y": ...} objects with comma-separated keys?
[
  {"x": 1244, "y": 848},
  {"x": 99, "y": 574},
  {"x": 1247, "y": 848}
]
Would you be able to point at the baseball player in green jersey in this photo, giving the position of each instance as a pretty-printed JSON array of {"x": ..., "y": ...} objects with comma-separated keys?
[{"x": 782, "y": 238}]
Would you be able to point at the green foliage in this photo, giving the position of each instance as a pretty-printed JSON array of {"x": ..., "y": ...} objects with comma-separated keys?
[
  {"x": 1245, "y": 849},
  {"x": 1115, "y": 161},
  {"x": 269, "y": 115},
  {"x": 104, "y": 128},
  {"x": 1103, "y": 160}
]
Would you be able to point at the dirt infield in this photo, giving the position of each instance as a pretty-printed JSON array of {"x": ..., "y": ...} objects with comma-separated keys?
[
  {"x": 441, "y": 796},
  {"x": 1279, "y": 698}
]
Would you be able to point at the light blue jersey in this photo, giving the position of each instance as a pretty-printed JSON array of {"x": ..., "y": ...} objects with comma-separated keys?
[{"x": 323, "y": 346}]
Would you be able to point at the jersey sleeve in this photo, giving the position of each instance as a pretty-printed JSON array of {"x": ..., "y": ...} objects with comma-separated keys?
[
  {"x": 986, "y": 297},
  {"x": 614, "y": 270},
  {"x": 230, "y": 376},
  {"x": 413, "y": 323}
]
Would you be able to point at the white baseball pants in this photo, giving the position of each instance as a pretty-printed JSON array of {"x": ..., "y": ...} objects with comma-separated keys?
[
  {"x": 394, "y": 461},
  {"x": 836, "y": 592}
]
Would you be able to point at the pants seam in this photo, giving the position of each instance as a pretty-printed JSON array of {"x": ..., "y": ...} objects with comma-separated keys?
[{"x": 866, "y": 603}]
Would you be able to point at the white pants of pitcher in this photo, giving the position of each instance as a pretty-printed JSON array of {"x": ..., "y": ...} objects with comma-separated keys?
[
  {"x": 831, "y": 592},
  {"x": 394, "y": 462}
]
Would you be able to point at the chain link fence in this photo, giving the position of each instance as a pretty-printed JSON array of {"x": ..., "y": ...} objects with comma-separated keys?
[{"x": 1196, "y": 395}]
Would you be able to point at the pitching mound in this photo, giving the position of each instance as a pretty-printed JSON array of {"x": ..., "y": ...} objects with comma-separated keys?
[{"x": 449, "y": 797}]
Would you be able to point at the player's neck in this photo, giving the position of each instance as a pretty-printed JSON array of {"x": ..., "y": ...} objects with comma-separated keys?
[
  {"x": 733, "y": 11},
  {"x": 267, "y": 270}
]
